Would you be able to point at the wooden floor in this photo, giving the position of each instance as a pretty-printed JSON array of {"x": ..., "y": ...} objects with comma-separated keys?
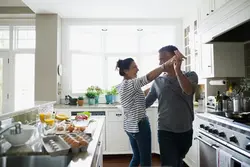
[{"x": 123, "y": 160}]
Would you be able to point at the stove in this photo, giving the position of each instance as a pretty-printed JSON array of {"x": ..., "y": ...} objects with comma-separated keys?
[
  {"x": 227, "y": 133},
  {"x": 233, "y": 133}
]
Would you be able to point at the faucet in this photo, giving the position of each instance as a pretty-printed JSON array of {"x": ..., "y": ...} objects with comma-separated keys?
[{"x": 15, "y": 131}]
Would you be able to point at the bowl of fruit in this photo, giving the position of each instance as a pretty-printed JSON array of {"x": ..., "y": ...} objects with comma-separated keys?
[
  {"x": 82, "y": 119},
  {"x": 82, "y": 116}
]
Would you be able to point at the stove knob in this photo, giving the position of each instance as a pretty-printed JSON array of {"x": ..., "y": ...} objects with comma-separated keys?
[
  {"x": 215, "y": 131},
  {"x": 210, "y": 130},
  {"x": 202, "y": 126},
  {"x": 233, "y": 139},
  {"x": 248, "y": 146},
  {"x": 222, "y": 134},
  {"x": 207, "y": 128}
]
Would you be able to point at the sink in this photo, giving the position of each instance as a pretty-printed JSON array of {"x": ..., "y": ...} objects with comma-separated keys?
[{"x": 35, "y": 161}]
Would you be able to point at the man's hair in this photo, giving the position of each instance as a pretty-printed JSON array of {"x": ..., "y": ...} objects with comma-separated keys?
[{"x": 169, "y": 48}]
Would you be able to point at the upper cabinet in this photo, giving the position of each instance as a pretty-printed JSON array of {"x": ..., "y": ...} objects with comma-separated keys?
[
  {"x": 222, "y": 60},
  {"x": 208, "y": 7},
  {"x": 219, "y": 16},
  {"x": 217, "y": 4}
]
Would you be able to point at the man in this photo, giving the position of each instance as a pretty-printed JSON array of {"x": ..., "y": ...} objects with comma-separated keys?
[{"x": 174, "y": 91}]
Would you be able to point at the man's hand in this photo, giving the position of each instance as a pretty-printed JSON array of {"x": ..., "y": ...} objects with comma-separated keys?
[
  {"x": 170, "y": 62},
  {"x": 178, "y": 58}
]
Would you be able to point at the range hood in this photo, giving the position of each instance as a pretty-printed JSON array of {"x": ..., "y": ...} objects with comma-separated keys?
[{"x": 239, "y": 33}]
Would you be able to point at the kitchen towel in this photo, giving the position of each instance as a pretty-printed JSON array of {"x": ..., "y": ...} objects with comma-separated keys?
[
  {"x": 243, "y": 164},
  {"x": 223, "y": 158}
]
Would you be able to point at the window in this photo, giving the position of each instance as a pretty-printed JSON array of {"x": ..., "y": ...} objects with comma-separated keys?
[
  {"x": 86, "y": 71},
  {"x": 95, "y": 50},
  {"x": 24, "y": 84},
  {"x": 155, "y": 38},
  {"x": 17, "y": 48},
  {"x": 84, "y": 39},
  {"x": 121, "y": 42},
  {"x": 4, "y": 37},
  {"x": 148, "y": 63},
  {"x": 25, "y": 37}
]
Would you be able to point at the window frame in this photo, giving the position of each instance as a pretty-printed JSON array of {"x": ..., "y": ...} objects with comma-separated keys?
[{"x": 11, "y": 53}]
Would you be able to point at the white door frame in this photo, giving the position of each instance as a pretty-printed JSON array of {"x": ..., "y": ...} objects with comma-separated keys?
[{"x": 6, "y": 82}]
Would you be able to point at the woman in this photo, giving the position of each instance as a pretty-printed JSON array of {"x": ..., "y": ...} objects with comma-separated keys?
[{"x": 136, "y": 123}]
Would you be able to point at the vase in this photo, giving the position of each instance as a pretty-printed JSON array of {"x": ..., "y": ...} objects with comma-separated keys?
[
  {"x": 91, "y": 101},
  {"x": 114, "y": 98},
  {"x": 109, "y": 99},
  {"x": 80, "y": 102},
  {"x": 97, "y": 100}
]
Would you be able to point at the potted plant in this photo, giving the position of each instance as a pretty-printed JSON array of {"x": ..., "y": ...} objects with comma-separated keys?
[
  {"x": 91, "y": 97},
  {"x": 98, "y": 93},
  {"x": 97, "y": 90},
  {"x": 80, "y": 101},
  {"x": 109, "y": 97},
  {"x": 114, "y": 93}
]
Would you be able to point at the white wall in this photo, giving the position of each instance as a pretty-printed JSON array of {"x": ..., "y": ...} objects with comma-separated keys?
[
  {"x": 48, "y": 47},
  {"x": 8, "y": 3}
]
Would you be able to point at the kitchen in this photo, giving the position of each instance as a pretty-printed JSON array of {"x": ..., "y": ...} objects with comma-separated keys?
[{"x": 62, "y": 66}]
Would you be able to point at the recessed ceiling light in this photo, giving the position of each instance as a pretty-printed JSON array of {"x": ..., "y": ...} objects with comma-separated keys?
[
  {"x": 104, "y": 29},
  {"x": 139, "y": 29}
]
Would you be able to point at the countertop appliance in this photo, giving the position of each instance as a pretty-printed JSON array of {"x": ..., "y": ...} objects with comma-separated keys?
[
  {"x": 211, "y": 102},
  {"x": 222, "y": 133}
]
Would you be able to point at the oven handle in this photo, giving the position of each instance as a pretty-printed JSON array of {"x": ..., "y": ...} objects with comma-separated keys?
[
  {"x": 210, "y": 145},
  {"x": 215, "y": 147}
]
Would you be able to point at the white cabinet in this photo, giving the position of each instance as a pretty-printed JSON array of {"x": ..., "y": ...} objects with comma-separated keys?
[
  {"x": 217, "y": 4},
  {"x": 116, "y": 139},
  {"x": 209, "y": 7},
  {"x": 205, "y": 9},
  {"x": 191, "y": 158},
  {"x": 206, "y": 60},
  {"x": 152, "y": 115},
  {"x": 222, "y": 60},
  {"x": 223, "y": 16}
]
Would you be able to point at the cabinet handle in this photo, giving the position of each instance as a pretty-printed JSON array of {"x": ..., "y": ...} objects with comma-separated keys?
[
  {"x": 207, "y": 14},
  {"x": 208, "y": 66},
  {"x": 212, "y": 10},
  {"x": 118, "y": 115}
]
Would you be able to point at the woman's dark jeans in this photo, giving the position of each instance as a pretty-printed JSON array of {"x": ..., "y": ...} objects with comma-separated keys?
[{"x": 141, "y": 145}]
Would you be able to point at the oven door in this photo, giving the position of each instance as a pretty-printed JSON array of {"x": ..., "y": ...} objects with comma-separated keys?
[{"x": 207, "y": 152}]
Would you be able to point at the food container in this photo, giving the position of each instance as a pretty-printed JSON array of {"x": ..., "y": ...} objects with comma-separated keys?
[
  {"x": 81, "y": 141},
  {"x": 55, "y": 145}
]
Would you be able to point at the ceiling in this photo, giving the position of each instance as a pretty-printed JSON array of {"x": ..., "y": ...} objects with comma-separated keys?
[{"x": 114, "y": 8}]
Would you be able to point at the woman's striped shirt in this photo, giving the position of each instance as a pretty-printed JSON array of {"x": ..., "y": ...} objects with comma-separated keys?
[{"x": 133, "y": 102}]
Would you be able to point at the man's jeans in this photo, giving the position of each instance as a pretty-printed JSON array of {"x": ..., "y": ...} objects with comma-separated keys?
[
  {"x": 141, "y": 145},
  {"x": 174, "y": 147}
]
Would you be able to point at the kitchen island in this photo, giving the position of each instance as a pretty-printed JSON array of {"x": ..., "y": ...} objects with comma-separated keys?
[{"x": 34, "y": 154}]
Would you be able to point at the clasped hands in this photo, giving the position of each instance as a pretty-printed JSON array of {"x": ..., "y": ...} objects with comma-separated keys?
[{"x": 175, "y": 61}]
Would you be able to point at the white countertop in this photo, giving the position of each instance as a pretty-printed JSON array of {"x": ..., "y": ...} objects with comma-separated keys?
[
  {"x": 96, "y": 106},
  {"x": 26, "y": 108},
  {"x": 85, "y": 159}
]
